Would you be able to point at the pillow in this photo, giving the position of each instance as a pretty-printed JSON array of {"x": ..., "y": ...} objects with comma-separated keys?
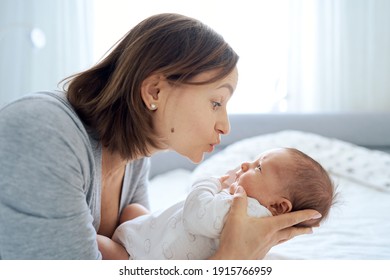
[{"x": 368, "y": 167}]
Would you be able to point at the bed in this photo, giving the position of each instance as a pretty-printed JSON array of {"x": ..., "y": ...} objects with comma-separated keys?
[{"x": 353, "y": 147}]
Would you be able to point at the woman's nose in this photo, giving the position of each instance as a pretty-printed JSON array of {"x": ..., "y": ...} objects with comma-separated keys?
[{"x": 223, "y": 124}]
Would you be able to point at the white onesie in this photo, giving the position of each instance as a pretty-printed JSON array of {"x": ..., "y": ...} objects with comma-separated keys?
[{"x": 188, "y": 230}]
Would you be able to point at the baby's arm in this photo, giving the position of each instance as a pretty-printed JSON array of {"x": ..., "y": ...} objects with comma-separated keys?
[
  {"x": 205, "y": 208},
  {"x": 110, "y": 249}
]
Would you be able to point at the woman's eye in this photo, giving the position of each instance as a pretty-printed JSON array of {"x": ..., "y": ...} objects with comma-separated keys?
[{"x": 216, "y": 104}]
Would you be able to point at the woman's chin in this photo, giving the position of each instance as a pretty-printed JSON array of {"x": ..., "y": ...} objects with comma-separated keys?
[{"x": 196, "y": 158}]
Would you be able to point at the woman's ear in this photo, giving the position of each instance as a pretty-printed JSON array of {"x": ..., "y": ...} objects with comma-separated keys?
[
  {"x": 280, "y": 207},
  {"x": 150, "y": 89}
]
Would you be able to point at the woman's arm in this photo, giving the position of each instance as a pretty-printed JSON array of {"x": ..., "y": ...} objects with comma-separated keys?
[
  {"x": 245, "y": 237},
  {"x": 45, "y": 178},
  {"x": 110, "y": 249}
]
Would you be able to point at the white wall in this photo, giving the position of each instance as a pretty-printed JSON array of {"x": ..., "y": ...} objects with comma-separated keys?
[{"x": 61, "y": 44}]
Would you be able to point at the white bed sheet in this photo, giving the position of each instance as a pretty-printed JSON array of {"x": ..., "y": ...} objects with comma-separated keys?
[{"x": 358, "y": 226}]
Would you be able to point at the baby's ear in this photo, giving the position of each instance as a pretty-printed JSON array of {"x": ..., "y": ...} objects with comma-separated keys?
[{"x": 280, "y": 207}]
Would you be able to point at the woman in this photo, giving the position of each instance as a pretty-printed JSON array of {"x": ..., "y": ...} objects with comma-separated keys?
[{"x": 72, "y": 160}]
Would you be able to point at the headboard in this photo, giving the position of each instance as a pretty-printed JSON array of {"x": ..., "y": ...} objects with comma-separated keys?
[{"x": 371, "y": 130}]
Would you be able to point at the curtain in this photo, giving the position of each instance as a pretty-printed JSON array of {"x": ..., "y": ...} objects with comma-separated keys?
[
  {"x": 339, "y": 56},
  {"x": 295, "y": 55},
  {"x": 42, "y": 42}
]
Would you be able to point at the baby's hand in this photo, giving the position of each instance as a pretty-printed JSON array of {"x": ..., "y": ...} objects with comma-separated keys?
[
  {"x": 228, "y": 179},
  {"x": 223, "y": 179}
]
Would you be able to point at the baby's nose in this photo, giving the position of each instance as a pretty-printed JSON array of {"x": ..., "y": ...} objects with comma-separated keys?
[{"x": 244, "y": 166}]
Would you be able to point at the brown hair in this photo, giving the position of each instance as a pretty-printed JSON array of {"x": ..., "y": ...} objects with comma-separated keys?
[
  {"x": 310, "y": 186},
  {"x": 107, "y": 97}
]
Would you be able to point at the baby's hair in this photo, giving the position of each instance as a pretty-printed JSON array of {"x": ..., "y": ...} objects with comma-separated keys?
[{"x": 310, "y": 186}]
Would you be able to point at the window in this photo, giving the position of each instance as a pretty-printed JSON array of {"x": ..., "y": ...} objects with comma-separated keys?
[
  {"x": 257, "y": 30},
  {"x": 295, "y": 55}
]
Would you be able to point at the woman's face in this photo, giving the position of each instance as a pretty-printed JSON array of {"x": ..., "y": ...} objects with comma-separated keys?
[{"x": 191, "y": 118}]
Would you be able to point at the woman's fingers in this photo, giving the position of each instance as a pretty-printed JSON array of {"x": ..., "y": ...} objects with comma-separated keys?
[
  {"x": 240, "y": 201},
  {"x": 245, "y": 237},
  {"x": 291, "y": 232},
  {"x": 284, "y": 224},
  {"x": 293, "y": 218}
]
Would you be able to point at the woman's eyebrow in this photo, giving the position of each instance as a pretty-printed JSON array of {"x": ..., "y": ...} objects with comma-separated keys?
[{"x": 228, "y": 86}]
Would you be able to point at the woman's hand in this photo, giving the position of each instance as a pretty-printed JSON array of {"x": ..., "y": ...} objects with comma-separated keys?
[
  {"x": 245, "y": 237},
  {"x": 111, "y": 250}
]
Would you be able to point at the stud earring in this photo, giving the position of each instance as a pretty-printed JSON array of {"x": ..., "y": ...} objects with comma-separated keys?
[{"x": 153, "y": 107}]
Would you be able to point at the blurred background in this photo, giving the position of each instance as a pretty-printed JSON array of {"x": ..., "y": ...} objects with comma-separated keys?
[{"x": 295, "y": 55}]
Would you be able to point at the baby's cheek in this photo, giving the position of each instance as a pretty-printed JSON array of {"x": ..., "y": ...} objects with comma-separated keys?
[{"x": 249, "y": 186}]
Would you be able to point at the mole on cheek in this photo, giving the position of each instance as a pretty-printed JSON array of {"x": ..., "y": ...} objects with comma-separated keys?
[{"x": 172, "y": 130}]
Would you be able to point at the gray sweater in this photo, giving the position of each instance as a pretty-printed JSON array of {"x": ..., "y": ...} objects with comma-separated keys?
[{"x": 50, "y": 181}]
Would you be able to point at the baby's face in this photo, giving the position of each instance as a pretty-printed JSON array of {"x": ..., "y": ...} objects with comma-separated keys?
[{"x": 262, "y": 179}]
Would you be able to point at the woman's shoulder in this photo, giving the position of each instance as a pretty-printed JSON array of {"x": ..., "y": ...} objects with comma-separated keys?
[
  {"x": 44, "y": 131},
  {"x": 44, "y": 117},
  {"x": 39, "y": 104},
  {"x": 43, "y": 111}
]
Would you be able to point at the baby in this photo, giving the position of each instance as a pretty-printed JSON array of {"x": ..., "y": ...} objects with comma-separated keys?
[{"x": 279, "y": 181}]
